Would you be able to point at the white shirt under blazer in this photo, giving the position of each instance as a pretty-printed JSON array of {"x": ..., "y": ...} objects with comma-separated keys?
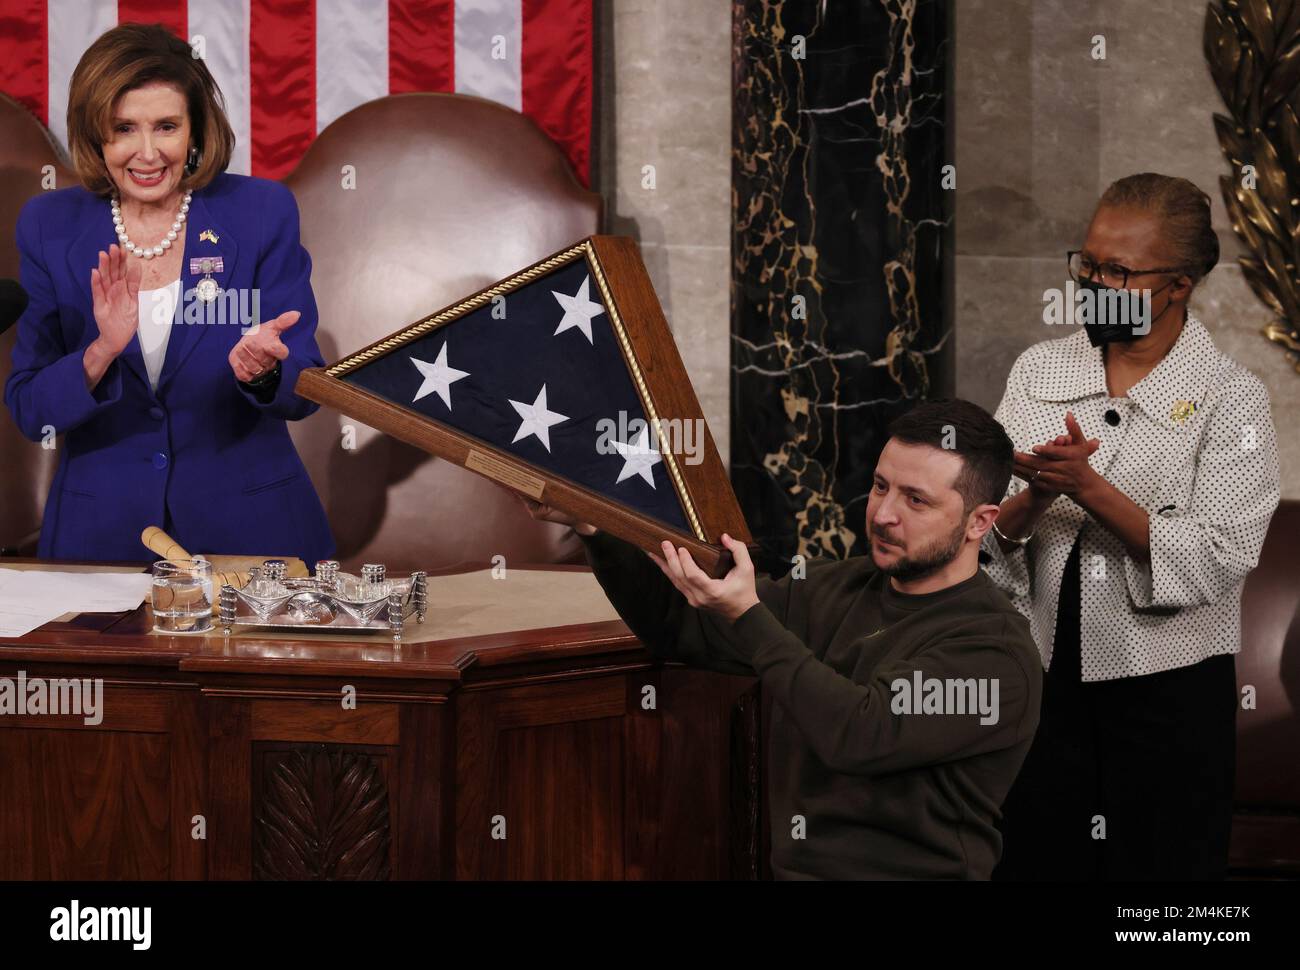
[{"x": 1195, "y": 446}]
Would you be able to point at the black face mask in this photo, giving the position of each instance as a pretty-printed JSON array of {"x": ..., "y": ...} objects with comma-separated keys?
[{"x": 1114, "y": 313}]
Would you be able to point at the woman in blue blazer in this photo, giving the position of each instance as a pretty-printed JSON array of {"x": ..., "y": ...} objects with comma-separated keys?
[{"x": 171, "y": 406}]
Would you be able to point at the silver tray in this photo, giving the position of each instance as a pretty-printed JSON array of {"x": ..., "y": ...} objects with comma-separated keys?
[{"x": 411, "y": 596}]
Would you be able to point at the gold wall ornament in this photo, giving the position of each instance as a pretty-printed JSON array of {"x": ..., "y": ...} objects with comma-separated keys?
[{"x": 1253, "y": 50}]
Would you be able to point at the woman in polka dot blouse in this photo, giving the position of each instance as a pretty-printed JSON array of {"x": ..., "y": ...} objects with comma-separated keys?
[{"x": 1146, "y": 477}]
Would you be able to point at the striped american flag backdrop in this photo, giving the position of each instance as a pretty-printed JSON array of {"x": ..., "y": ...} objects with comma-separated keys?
[{"x": 288, "y": 68}]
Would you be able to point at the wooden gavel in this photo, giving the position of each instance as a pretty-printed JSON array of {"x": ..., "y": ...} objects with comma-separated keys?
[{"x": 166, "y": 547}]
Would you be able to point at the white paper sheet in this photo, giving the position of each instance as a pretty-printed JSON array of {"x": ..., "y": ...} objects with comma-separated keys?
[
  {"x": 17, "y": 620},
  {"x": 30, "y": 598}
]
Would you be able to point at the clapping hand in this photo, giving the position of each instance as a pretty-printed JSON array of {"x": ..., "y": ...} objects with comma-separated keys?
[
  {"x": 1061, "y": 466},
  {"x": 259, "y": 349},
  {"x": 115, "y": 297}
]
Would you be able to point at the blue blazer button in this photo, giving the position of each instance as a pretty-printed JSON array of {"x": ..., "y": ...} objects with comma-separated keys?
[
  {"x": 157, "y": 414},
  {"x": 159, "y": 461}
]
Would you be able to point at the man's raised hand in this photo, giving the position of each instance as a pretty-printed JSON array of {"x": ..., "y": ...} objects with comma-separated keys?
[{"x": 732, "y": 595}]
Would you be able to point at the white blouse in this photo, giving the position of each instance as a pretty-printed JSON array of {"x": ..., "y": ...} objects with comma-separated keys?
[
  {"x": 1195, "y": 446},
  {"x": 157, "y": 308}
]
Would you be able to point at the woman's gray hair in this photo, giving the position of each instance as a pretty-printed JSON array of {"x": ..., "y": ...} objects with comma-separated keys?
[{"x": 1183, "y": 210}]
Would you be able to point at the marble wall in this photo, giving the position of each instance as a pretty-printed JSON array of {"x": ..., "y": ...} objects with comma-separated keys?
[
  {"x": 1041, "y": 128},
  {"x": 840, "y": 256}
]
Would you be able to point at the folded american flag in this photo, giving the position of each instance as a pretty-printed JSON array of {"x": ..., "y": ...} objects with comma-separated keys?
[{"x": 538, "y": 374}]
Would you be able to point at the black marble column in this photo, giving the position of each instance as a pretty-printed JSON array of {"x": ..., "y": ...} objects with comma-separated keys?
[{"x": 841, "y": 254}]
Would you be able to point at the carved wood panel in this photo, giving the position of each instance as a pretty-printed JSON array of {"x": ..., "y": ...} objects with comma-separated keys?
[{"x": 321, "y": 812}]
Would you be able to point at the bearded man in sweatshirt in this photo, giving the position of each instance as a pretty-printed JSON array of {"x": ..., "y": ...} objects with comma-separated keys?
[{"x": 905, "y": 686}]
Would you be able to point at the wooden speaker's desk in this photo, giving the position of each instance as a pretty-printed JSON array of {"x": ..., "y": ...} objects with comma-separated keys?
[{"x": 564, "y": 752}]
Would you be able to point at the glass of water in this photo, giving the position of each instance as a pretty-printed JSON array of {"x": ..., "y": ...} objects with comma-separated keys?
[{"x": 182, "y": 596}]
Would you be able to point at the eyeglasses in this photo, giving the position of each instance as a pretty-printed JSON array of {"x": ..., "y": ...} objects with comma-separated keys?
[{"x": 1084, "y": 267}]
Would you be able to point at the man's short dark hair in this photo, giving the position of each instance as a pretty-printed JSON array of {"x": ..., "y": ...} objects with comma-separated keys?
[{"x": 972, "y": 434}]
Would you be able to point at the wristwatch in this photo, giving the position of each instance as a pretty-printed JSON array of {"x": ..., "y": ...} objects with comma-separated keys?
[{"x": 268, "y": 379}]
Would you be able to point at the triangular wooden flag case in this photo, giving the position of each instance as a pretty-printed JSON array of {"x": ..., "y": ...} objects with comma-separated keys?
[{"x": 561, "y": 382}]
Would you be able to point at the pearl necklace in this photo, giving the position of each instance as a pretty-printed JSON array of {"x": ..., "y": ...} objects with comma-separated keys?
[{"x": 147, "y": 252}]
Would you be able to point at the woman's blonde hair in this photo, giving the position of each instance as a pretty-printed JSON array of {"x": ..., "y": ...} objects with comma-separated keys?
[
  {"x": 1184, "y": 213},
  {"x": 128, "y": 57}
]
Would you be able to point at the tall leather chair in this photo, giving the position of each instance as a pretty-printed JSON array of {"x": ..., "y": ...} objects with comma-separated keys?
[
  {"x": 409, "y": 203},
  {"x": 28, "y": 156},
  {"x": 1266, "y": 825}
]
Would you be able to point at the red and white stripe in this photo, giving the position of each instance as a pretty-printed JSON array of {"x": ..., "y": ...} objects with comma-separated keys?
[{"x": 287, "y": 68}]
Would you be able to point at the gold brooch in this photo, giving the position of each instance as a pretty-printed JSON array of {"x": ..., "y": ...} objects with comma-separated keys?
[
  {"x": 209, "y": 235},
  {"x": 1182, "y": 411}
]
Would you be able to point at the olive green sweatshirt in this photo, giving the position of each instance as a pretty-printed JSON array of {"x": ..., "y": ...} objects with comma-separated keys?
[{"x": 898, "y": 721}]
